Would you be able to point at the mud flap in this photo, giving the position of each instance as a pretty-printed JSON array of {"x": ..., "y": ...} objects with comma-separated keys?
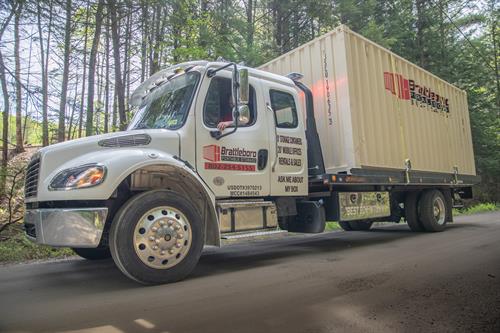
[{"x": 310, "y": 218}]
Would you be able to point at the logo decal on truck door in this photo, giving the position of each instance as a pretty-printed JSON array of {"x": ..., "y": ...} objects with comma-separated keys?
[
  {"x": 211, "y": 153},
  {"x": 217, "y": 154}
]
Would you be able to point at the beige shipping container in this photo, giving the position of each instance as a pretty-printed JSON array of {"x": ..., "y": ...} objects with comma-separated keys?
[{"x": 374, "y": 109}]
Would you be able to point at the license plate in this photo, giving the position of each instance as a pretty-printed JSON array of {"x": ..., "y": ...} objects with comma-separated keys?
[{"x": 363, "y": 205}]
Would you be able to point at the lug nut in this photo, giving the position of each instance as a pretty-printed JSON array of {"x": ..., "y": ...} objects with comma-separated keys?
[
  {"x": 171, "y": 251},
  {"x": 179, "y": 236},
  {"x": 162, "y": 222},
  {"x": 157, "y": 241},
  {"x": 154, "y": 228},
  {"x": 155, "y": 247},
  {"x": 178, "y": 245},
  {"x": 151, "y": 238},
  {"x": 177, "y": 227},
  {"x": 170, "y": 222},
  {"x": 162, "y": 253}
]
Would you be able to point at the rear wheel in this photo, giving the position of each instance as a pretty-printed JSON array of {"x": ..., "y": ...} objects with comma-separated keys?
[
  {"x": 360, "y": 225},
  {"x": 157, "y": 237},
  {"x": 356, "y": 225},
  {"x": 345, "y": 225},
  {"x": 97, "y": 253},
  {"x": 411, "y": 212},
  {"x": 432, "y": 210}
]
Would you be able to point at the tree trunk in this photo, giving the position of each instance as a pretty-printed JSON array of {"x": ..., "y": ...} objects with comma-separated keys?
[
  {"x": 64, "y": 86},
  {"x": 19, "y": 116},
  {"x": 106, "y": 83},
  {"x": 45, "y": 72},
  {"x": 6, "y": 112},
  {"x": 85, "y": 41},
  {"x": 92, "y": 66},
  {"x": 250, "y": 25},
  {"x": 155, "y": 64},
  {"x": 6, "y": 109},
  {"x": 120, "y": 92},
  {"x": 495, "y": 58},
  {"x": 26, "y": 115},
  {"x": 420, "y": 25},
  {"x": 73, "y": 107},
  {"x": 144, "y": 31}
]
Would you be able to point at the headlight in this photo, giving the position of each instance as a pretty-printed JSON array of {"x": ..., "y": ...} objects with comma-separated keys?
[{"x": 80, "y": 177}]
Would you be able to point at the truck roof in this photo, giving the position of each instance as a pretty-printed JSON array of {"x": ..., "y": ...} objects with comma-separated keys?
[{"x": 165, "y": 74}]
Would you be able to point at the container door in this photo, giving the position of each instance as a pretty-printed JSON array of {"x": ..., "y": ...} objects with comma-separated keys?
[
  {"x": 289, "y": 154},
  {"x": 237, "y": 165}
]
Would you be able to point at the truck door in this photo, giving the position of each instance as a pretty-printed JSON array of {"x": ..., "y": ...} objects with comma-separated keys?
[
  {"x": 236, "y": 165},
  {"x": 289, "y": 155}
]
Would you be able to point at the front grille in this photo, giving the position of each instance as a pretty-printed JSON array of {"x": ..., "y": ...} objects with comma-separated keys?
[
  {"x": 126, "y": 141},
  {"x": 32, "y": 173},
  {"x": 30, "y": 229}
]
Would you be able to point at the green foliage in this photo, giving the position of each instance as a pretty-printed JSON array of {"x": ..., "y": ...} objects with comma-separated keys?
[
  {"x": 479, "y": 208},
  {"x": 332, "y": 226},
  {"x": 20, "y": 248},
  {"x": 33, "y": 130}
]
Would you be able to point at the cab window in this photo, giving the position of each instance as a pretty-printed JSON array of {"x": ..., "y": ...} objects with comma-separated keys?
[
  {"x": 285, "y": 112},
  {"x": 219, "y": 104}
]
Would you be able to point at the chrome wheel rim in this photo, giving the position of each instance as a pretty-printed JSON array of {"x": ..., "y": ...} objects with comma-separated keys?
[
  {"x": 439, "y": 210},
  {"x": 162, "y": 237}
]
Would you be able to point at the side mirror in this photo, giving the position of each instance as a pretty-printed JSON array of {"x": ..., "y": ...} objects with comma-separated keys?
[
  {"x": 243, "y": 114},
  {"x": 243, "y": 89}
]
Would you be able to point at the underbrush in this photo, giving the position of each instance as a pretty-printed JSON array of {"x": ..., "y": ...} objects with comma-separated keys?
[
  {"x": 19, "y": 248},
  {"x": 478, "y": 208}
]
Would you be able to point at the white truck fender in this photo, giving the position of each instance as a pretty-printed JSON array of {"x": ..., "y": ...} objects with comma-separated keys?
[{"x": 119, "y": 164}]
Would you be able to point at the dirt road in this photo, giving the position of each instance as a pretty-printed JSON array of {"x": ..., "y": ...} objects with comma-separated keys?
[{"x": 385, "y": 280}]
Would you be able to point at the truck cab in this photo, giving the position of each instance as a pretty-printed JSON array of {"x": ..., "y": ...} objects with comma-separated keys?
[{"x": 182, "y": 180}]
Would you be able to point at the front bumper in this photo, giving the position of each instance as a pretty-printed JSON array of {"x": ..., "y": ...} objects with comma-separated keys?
[{"x": 72, "y": 227}]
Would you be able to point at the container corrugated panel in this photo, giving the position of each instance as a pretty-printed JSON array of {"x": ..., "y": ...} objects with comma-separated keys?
[{"x": 375, "y": 110}]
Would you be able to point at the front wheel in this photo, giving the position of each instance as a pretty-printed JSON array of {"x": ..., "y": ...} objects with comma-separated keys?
[{"x": 157, "y": 237}]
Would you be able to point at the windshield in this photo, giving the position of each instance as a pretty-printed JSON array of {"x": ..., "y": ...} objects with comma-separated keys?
[{"x": 168, "y": 105}]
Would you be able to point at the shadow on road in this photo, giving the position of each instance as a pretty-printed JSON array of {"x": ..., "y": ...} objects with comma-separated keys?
[{"x": 92, "y": 277}]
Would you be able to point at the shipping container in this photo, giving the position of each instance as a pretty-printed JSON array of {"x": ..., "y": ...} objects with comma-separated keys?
[{"x": 376, "y": 110}]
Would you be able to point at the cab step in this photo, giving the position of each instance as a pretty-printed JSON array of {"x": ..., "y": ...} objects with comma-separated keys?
[{"x": 255, "y": 233}]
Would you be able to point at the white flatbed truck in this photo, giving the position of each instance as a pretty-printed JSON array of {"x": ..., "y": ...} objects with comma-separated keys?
[{"x": 360, "y": 135}]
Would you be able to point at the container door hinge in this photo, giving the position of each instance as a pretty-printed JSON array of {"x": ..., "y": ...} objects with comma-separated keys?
[
  {"x": 455, "y": 174},
  {"x": 407, "y": 170}
]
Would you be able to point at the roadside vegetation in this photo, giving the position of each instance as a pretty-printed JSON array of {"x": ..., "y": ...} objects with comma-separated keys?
[
  {"x": 19, "y": 249},
  {"x": 477, "y": 208}
]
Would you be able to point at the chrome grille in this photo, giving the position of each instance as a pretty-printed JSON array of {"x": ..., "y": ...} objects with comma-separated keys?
[
  {"x": 126, "y": 141},
  {"x": 31, "y": 181}
]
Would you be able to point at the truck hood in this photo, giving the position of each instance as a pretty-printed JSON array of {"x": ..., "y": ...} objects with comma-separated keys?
[{"x": 96, "y": 149}]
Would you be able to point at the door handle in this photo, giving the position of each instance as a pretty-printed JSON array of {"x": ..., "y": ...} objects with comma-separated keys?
[
  {"x": 262, "y": 159},
  {"x": 275, "y": 138}
]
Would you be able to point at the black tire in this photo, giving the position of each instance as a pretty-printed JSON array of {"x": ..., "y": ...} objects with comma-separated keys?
[
  {"x": 122, "y": 235},
  {"x": 98, "y": 253},
  {"x": 310, "y": 222},
  {"x": 345, "y": 225},
  {"x": 411, "y": 212},
  {"x": 360, "y": 225},
  {"x": 432, "y": 211}
]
